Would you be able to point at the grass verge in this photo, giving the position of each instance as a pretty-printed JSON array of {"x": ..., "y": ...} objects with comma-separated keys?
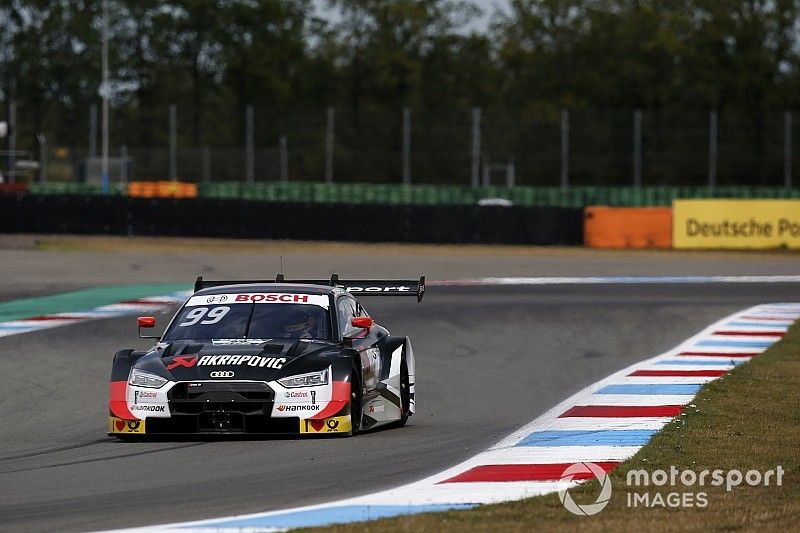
[{"x": 747, "y": 420}]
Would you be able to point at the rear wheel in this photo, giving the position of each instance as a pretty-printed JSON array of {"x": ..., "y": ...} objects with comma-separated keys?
[
  {"x": 405, "y": 396},
  {"x": 356, "y": 401}
]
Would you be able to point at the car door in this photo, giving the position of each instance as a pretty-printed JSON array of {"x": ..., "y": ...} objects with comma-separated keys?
[{"x": 365, "y": 342}]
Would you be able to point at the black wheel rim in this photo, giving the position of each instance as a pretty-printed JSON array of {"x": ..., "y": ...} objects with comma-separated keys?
[{"x": 404, "y": 386}]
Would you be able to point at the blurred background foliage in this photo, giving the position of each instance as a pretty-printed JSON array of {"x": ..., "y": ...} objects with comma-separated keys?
[{"x": 213, "y": 57}]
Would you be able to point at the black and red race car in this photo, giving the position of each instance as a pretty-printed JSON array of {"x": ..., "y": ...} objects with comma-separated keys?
[{"x": 267, "y": 357}]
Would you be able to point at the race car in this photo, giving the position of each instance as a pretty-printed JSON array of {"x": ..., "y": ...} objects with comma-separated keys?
[{"x": 268, "y": 357}]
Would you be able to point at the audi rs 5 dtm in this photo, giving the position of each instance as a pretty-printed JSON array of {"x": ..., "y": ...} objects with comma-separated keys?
[{"x": 265, "y": 357}]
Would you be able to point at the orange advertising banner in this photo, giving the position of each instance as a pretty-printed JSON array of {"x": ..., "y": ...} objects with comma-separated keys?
[{"x": 627, "y": 227}]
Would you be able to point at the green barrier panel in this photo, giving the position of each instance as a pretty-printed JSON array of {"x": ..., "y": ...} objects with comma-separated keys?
[{"x": 427, "y": 194}]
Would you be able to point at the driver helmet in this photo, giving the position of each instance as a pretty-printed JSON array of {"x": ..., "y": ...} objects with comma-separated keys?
[{"x": 300, "y": 323}]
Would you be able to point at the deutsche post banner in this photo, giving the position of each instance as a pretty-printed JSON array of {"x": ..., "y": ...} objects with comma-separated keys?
[{"x": 736, "y": 223}]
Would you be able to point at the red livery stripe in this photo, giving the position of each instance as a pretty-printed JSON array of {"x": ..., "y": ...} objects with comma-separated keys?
[
  {"x": 621, "y": 411},
  {"x": 536, "y": 472},
  {"x": 147, "y": 302},
  {"x": 339, "y": 399},
  {"x": 752, "y": 333},
  {"x": 678, "y": 373},
  {"x": 52, "y": 317},
  {"x": 117, "y": 392},
  {"x": 720, "y": 354}
]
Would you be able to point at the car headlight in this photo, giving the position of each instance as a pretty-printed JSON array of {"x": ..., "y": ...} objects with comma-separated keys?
[
  {"x": 312, "y": 379},
  {"x": 140, "y": 378}
]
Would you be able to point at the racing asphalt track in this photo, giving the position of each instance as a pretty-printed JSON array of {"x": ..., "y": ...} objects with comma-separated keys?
[{"x": 489, "y": 360}]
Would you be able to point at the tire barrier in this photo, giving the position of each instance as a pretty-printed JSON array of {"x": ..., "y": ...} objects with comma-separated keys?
[{"x": 203, "y": 217}]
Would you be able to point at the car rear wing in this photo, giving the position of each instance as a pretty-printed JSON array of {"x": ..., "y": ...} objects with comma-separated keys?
[{"x": 358, "y": 287}]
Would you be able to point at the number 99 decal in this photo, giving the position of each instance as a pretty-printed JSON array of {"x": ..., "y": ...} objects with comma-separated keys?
[{"x": 214, "y": 315}]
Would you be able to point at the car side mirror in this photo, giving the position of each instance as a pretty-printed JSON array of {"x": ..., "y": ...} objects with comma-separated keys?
[
  {"x": 363, "y": 322},
  {"x": 147, "y": 322}
]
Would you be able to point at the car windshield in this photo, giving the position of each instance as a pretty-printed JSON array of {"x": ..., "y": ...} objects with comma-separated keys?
[{"x": 246, "y": 320}]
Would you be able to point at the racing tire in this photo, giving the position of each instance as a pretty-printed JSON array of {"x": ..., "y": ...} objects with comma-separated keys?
[
  {"x": 129, "y": 438},
  {"x": 356, "y": 401},
  {"x": 405, "y": 395}
]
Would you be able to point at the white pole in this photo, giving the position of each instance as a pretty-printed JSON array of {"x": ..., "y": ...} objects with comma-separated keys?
[
  {"x": 406, "y": 146},
  {"x": 12, "y": 140},
  {"x": 206, "y": 164},
  {"x": 284, "y": 158},
  {"x": 93, "y": 131},
  {"x": 637, "y": 148},
  {"x": 476, "y": 147},
  {"x": 104, "y": 95},
  {"x": 173, "y": 142},
  {"x": 329, "y": 145},
  {"x": 564, "y": 149},
  {"x": 787, "y": 149},
  {"x": 713, "y": 125},
  {"x": 250, "y": 161}
]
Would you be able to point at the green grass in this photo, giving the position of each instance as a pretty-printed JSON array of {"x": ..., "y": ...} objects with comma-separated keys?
[{"x": 749, "y": 419}]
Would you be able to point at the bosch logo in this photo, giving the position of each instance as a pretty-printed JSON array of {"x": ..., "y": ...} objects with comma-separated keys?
[
  {"x": 220, "y": 299},
  {"x": 222, "y": 374}
]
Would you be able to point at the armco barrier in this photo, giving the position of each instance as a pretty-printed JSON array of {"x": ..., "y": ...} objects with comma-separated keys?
[
  {"x": 203, "y": 217},
  {"x": 627, "y": 227}
]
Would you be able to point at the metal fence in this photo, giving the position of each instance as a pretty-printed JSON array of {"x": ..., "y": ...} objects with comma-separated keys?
[{"x": 471, "y": 146}]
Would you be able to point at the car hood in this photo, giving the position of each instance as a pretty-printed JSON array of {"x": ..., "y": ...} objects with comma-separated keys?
[{"x": 267, "y": 361}]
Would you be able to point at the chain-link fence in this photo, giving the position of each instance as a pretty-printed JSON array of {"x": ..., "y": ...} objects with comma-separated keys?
[{"x": 470, "y": 146}]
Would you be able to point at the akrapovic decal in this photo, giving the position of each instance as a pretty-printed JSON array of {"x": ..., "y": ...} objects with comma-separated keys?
[
  {"x": 189, "y": 361},
  {"x": 249, "y": 360},
  {"x": 186, "y": 361}
]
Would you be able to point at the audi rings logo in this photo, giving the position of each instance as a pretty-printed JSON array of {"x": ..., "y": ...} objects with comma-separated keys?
[
  {"x": 222, "y": 374},
  {"x": 581, "y": 470}
]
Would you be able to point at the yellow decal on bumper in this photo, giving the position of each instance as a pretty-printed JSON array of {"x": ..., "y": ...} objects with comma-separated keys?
[
  {"x": 118, "y": 425},
  {"x": 334, "y": 424}
]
